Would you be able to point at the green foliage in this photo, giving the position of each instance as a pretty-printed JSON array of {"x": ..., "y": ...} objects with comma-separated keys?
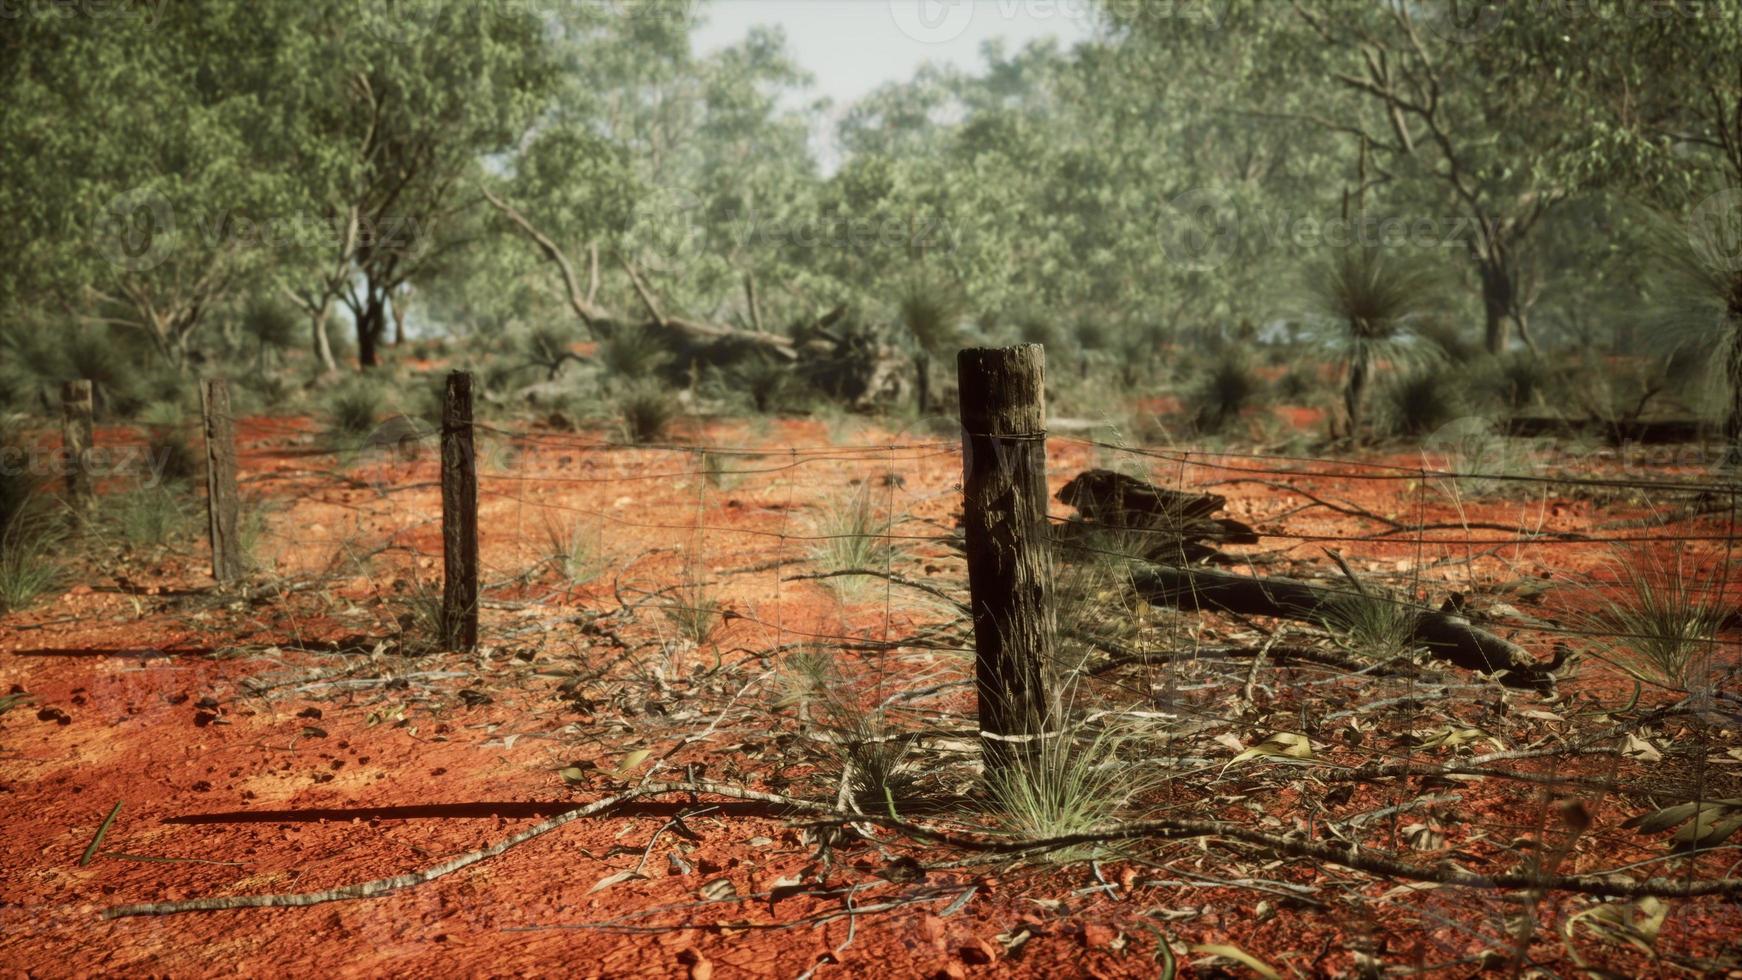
[
  {"x": 929, "y": 308},
  {"x": 151, "y": 516},
  {"x": 30, "y": 536},
  {"x": 1371, "y": 622}
]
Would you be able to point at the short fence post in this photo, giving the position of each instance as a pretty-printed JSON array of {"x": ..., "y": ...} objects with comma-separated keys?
[
  {"x": 459, "y": 517},
  {"x": 222, "y": 506},
  {"x": 77, "y": 440},
  {"x": 1009, "y": 546}
]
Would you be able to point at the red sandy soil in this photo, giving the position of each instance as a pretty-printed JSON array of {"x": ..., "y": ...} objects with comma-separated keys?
[{"x": 258, "y": 744}]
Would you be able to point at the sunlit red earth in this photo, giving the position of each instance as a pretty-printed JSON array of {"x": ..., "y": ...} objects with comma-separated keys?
[{"x": 260, "y": 743}]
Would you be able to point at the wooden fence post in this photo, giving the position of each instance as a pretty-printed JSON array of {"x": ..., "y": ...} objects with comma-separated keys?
[
  {"x": 222, "y": 505},
  {"x": 1009, "y": 546},
  {"x": 77, "y": 440},
  {"x": 459, "y": 517}
]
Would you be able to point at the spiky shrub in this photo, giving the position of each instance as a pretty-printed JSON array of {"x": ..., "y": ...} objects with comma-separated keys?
[
  {"x": 765, "y": 383},
  {"x": 1371, "y": 622},
  {"x": 1369, "y": 304},
  {"x": 573, "y": 551},
  {"x": 1662, "y": 618},
  {"x": 30, "y": 537},
  {"x": 1700, "y": 264},
  {"x": 151, "y": 516},
  {"x": 1226, "y": 388},
  {"x": 647, "y": 411},
  {"x": 871, "y": 760},
  {"x": 1421, "y": 402},
  {"x": 693, "y": 610},
  {"x": 852, "y": 535},
  {"x": 631, "y": 354},
  {"x": 1074, "y": 781},
  {"x": 352, "y": 411},
  {"x": 29, "y": 562}
]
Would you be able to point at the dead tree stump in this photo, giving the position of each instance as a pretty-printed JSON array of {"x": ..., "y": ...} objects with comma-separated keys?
[{"x": 1009, "y": 551}]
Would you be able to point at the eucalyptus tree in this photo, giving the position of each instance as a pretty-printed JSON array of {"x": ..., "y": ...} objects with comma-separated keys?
[
  {"x": 1653, "y": 99},
  {"x": 140, "y": 170}
]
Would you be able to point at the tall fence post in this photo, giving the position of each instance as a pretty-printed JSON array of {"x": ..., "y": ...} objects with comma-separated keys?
[
  {"x": 459, "y": 517},
  {"x": 76, "y": 441},
  {"x": 1009, "y": 546},
  {"x": 222, "y": 506}
]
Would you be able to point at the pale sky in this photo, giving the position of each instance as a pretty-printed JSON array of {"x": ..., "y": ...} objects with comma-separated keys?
[{"x": 853, "y": 46}]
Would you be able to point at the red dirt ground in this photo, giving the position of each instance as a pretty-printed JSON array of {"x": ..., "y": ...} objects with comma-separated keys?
[{"x": 275, "y": 741}]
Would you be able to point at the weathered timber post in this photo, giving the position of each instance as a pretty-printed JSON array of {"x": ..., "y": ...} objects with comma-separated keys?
[
  {"x": 459, "y": 517},
  {"x": 1009, "y": 545},
  {"x": 222, "y": 507},
  {"x": 76, "y": 441}
]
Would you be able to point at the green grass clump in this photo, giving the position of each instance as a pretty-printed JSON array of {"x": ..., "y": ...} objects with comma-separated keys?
[
  {"x": 30, "y": 549},
  {"x": 1074, "y": 782},
  {"x": 352, "y": 411},
  {"x": 1661, "y": 621},
  {"x": 646, "y": 411},
  {"x": 870, "y": 759},
  {"x": 852, "y": 535},
  {"x": 573, "y": 552},
  {"x": 693, "y": 611},
  {"x": 151, "y": 516}
]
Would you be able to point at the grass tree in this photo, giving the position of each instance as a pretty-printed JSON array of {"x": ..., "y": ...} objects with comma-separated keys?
[
  {"x": 1701, "y": 263},
  {"x": 1369, "y": 302},
  {"x": 930, "y": 308}
]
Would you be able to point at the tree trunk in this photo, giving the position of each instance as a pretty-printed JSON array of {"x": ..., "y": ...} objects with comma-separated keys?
[
  {"x": 1356, "y": 394},
  {"x": 1733, "y": 374},
  {"x": 922, "y": 382},
  {"x": 1496, "y": 303},
  {"x": 323, "y": 346},
  {"x": 399, "y": 318},
  {"x": 370, "y": 328}
]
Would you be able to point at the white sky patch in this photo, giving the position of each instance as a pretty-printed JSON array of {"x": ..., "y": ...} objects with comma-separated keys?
[{"x": 854, "y": 46}]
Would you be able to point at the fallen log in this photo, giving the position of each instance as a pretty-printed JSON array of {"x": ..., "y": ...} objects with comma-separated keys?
[
  {"x": 1645, "y": 432},
  {"x": 1445, "y": 636}
]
